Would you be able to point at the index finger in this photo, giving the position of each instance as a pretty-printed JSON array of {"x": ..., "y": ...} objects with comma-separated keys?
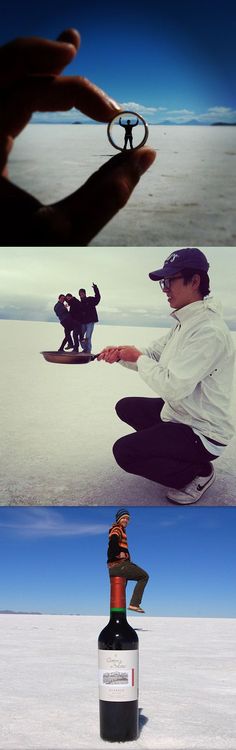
[
  {"x": 107, "y": 349},
  {"x": 35, "y": 56}
]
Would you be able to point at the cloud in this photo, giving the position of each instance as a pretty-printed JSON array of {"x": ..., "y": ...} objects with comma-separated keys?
[
  {"x": 69, "y": 116},
  {"x": 212, "y": 114},
  {"x": 140, "y": 108},
  {"x": 220, "y": 110},
  {"x": 110, "y": 310},
  {"x": 43, "y": 522},
  {"x": 225, "y": 114},
  {"x": 177, "y": 518},
  {"x": 215, "y": 112},
  {"x": 142, "y": 310},
  {"x": 181, "y": 111}
]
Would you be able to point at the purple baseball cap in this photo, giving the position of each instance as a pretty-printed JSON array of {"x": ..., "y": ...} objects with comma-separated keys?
[{"x": 188, "y": 257}]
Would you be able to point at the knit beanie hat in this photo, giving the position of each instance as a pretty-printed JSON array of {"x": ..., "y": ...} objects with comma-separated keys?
[{"x": 121, "y": 513}]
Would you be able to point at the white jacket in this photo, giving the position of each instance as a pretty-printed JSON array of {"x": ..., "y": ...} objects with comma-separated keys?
[{"x": 191, "y": 369}]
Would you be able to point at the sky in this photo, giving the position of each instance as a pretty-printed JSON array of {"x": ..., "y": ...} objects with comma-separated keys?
[
  {"x": 54, "y": 559},
  {"x": 170, "y": 61},
  {"x": 32, "y": 278}
]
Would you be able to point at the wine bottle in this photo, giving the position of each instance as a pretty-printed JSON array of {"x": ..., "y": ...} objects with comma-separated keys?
[{"x": 118, "y": 671}]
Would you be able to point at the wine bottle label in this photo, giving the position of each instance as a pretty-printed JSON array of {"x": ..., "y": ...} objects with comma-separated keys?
[{"x": 118, "y": 675}]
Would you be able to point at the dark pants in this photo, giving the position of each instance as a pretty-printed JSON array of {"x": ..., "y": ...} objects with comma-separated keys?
[
  {"x": 166, "y": 452},
  {"x": 131, "y": 572},
  {"x": 128, "y": 139},
  {"x": 67, "y": 339},
  {"x": 78, "y": 336}
]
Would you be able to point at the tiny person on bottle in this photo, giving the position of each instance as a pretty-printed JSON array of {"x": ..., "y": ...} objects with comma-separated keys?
[{"x": 119, "y": 562}]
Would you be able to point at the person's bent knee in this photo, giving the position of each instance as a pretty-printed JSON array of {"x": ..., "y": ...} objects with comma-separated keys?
[
  {"x": 120, "y": 453},
  {"x": 121, "y": 408}
]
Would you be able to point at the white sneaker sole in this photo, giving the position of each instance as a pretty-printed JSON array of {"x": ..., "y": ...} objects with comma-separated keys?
[{"x": 184, "y": 498}]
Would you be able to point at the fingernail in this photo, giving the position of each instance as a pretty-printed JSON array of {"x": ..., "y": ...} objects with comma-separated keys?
[
  {"x": 114, "y": 104},
  {"x": 143, "y": 159},
  {"x": 70, "y": 37}
]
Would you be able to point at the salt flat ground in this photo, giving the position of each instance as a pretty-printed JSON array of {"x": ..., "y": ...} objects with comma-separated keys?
[
  {"x": 58, "y": 424},
  {"x": 49, "y": 690},
  {"x": 186, "y": 198}
]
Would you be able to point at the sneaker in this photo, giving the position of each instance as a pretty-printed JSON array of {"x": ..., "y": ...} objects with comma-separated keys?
[
  {"x": 136, "y": 609},
  {"x": 193, "y": 491}
]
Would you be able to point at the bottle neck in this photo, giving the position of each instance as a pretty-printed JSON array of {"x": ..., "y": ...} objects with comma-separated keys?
[{"x": 117, "y": 599}]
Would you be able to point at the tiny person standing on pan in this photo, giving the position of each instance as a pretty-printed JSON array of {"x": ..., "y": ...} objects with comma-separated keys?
[
  {"x": 118, "y": 559},
  {"x": 75, "y": 311},
  {"x": 66, "y": 321},
  {"x": 89, "y": 315}
]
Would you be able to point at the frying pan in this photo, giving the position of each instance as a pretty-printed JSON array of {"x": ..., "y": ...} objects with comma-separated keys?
[{"x": 69, "y": 358}]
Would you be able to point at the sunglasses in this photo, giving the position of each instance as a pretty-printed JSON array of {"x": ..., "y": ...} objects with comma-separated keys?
[{"x": 166, "y": 283}]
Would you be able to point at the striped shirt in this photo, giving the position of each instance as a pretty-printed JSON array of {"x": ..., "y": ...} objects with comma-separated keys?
[{"x": 117, "y": 543}]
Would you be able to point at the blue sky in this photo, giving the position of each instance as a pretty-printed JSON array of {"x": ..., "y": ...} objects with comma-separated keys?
[
  {"x": 169, "y": 60},
  {"x": 54, "y": 559}
]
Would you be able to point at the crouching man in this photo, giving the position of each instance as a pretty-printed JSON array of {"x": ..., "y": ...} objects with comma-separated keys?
[{"x": 180, "y": 433}]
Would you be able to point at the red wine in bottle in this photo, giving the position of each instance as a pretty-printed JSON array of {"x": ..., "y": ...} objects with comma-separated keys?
[{"x": 118, "y": 671}]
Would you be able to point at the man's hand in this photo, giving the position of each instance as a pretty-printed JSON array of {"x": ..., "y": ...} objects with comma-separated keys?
[
  {"x": 30, "y": 81},
  {"x": 129, "y": 353},
  {"x": 110, "y": 354},
  {"x": 113, "y": 354}
]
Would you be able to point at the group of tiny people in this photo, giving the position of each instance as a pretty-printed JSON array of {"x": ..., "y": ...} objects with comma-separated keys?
[{"x": 77, "y": 316}]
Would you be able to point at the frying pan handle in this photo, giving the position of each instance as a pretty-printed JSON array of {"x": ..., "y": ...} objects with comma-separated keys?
[{"x": 95, "y": 356}]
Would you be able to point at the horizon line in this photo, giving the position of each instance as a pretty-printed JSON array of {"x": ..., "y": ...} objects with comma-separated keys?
[
  {"x": 161, "y": 323},
  {"x": 78, "y": 614}
]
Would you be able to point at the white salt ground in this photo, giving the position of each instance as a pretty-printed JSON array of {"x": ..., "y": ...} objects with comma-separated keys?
[
  {"x": 185, "y": 199},
  {"x": 59, "y": 424},
  {"x": 49, "y": 690}
]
